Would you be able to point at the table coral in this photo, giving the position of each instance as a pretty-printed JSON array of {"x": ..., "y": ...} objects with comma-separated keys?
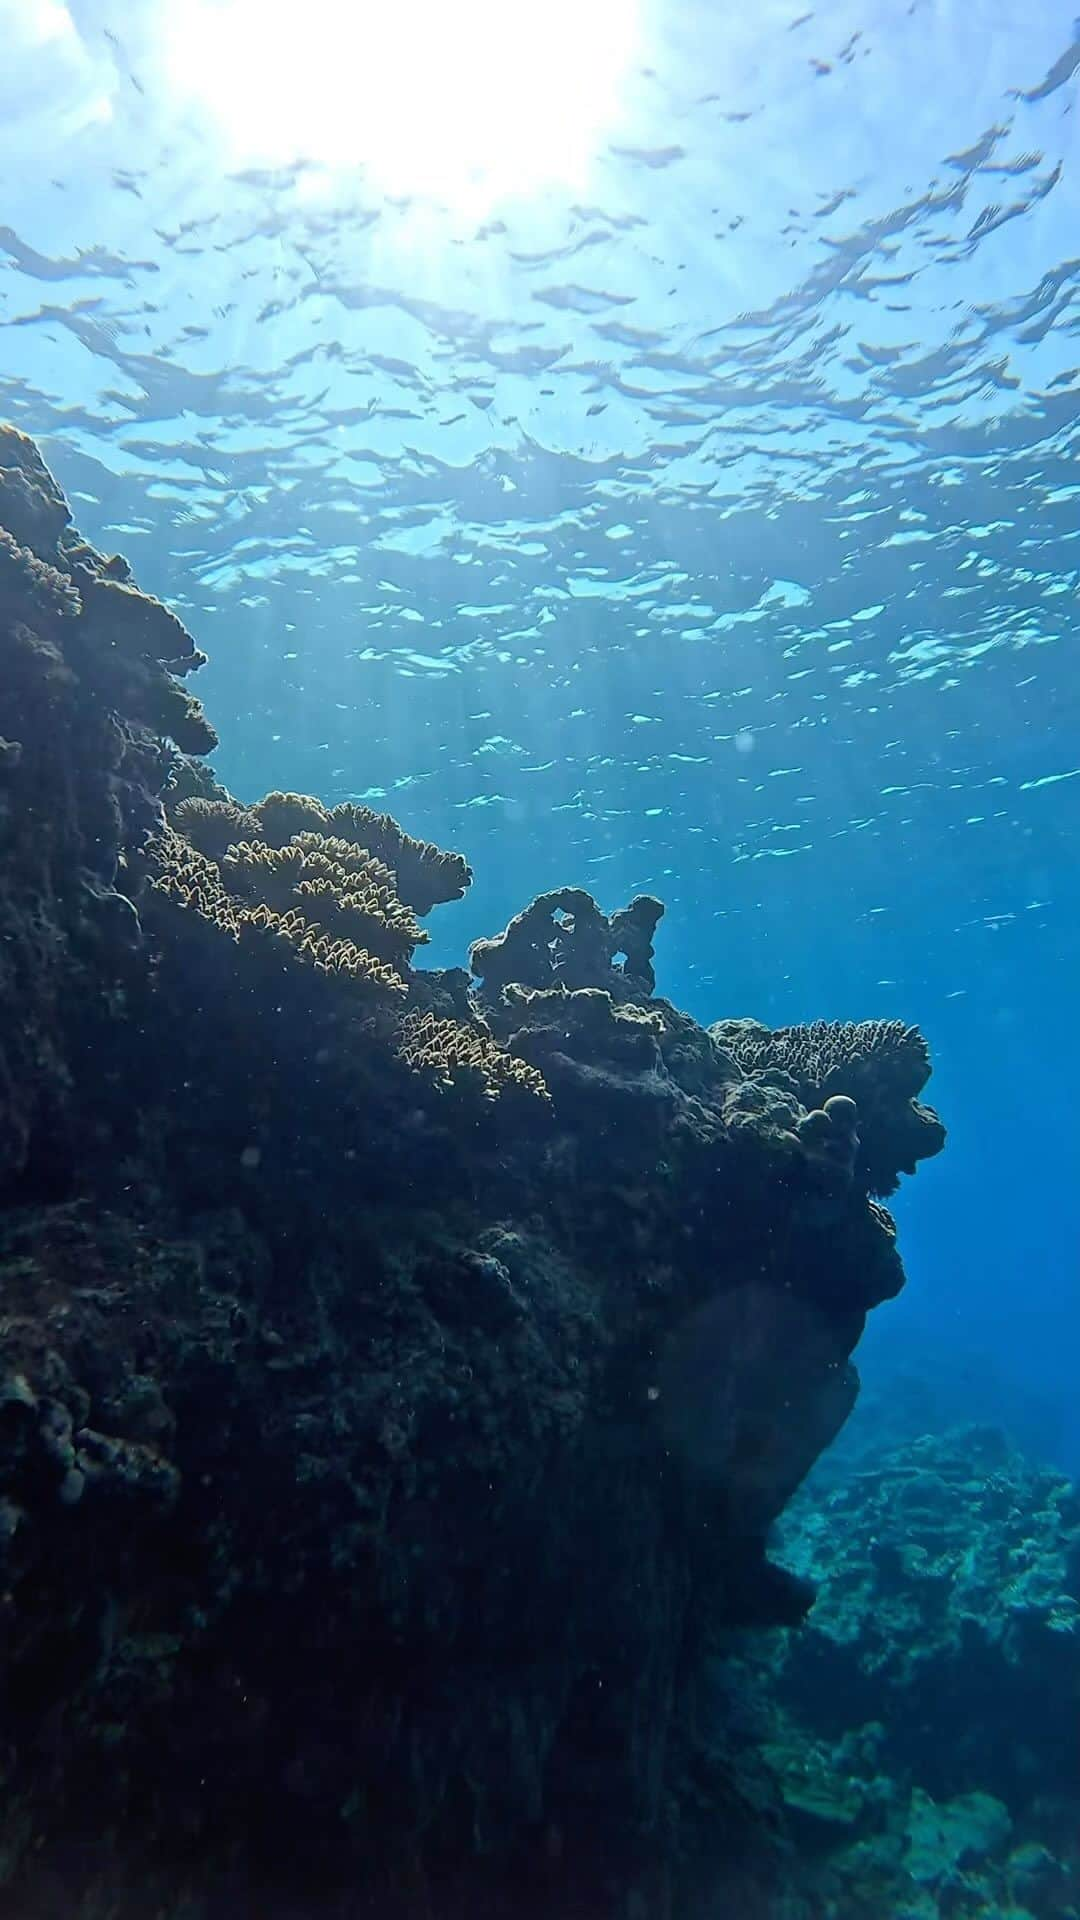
[
  {"x": 426, "y": 875},
  {"x": 336, "y": 908},
  {"x": 213, "y": 826},
  {"x": 882, "y": 1064},
  {"x": 226, "y": 898}
]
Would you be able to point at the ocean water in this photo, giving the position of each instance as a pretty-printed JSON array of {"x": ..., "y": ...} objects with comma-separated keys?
[{"x": 638, "y": 446}]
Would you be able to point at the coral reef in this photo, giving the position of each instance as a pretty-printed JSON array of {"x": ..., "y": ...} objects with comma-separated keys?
[
  {"x": 325, "y": 901},
  {"x": 424, "y": 874},
  {"x": 83, "y": 761},
  {"x": 399, "y": 1375},
  {"x": 312, "y": 886},
  {"x": 212, "y": 826},
  {"x": 449, "y": 1051},
  {"x": 191, "y": 881},
  {"x": 33, "y": 511},
  {"x": 948, "y": 1570},
  {"x": 921, "y": 1723},
  {"x": 882, "y": 1065}
]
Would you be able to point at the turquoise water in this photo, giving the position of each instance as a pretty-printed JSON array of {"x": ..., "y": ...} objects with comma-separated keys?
[{"x": 638, "y": 448}]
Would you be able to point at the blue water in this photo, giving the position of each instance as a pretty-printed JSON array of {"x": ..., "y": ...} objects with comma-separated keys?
[{"x": 705, "y": 523}]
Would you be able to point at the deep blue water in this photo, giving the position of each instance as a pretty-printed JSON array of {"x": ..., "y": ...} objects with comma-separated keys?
[{"x": 701, "y": 518}]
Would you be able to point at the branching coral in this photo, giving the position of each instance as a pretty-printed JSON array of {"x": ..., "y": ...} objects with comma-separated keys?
[
  {"x": 213, "y": 826},
  {"x": 356, "y": 901},
  {"x": 281, "y": 815},
  {"x": 882, "y": 1065},
  {"x": 256, "y": 871},
  {"x": 454, "y": 1055},
  {"x": 826, "y": 1051},
  {"x": 335, "y": 907},
  {"x": 192, "y": 881},
  {"x": 420, "y": 874},
  {"x": 309, "y": 944},
  {"x": 255, "y": 893},
  {"x": 426, "y": 875},
  {"x": 180, "y": 873}
]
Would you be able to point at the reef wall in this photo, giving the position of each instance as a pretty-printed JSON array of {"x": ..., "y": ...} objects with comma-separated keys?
[{"x": 400, "y": 1371}]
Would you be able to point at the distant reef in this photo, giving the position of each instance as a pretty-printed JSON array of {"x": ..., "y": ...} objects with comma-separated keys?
[
  {"x": 922, "y": 1725},
  {"x": 400, "y": 1370}
]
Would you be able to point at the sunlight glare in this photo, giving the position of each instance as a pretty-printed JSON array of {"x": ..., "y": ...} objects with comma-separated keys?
[{"x": 472, "y": 102}]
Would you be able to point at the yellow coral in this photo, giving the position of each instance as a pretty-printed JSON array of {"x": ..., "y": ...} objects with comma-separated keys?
[
  {"x": 345, "y": 854},
  {"x": 424, "y": 874},
  {"x": 450, "y": 1053},
  {"x": 281, "y": 815},
  {"x": 308, "y": 943},
  {"x": 189, "y": 879},
  {"x": 250, "y": 866},
  {"x": 214, "y": 825},
  {"x": 193, "y": 882},
  {"x": 258, "y": 873},
  {"x": 358, "y": 900}
]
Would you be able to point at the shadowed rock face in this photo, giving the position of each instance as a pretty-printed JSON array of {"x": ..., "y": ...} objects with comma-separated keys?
[{"x": 398, "y": 1376}]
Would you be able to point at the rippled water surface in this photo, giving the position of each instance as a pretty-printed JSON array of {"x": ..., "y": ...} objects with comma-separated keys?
[{"x": 705, "y": 521}]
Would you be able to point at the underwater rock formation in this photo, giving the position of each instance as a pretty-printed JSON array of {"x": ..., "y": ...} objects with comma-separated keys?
[
  {"x": 947, "y": 1570},
  {"x": 398, "y": 1375},
  {"x": 85, "y": 701},
  {"x": 921, "y": 1725},
  {"x": 564, "y": 940}
]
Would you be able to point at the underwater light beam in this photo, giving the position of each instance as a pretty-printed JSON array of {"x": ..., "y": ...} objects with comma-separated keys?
[{"x": 469, "y": 103}]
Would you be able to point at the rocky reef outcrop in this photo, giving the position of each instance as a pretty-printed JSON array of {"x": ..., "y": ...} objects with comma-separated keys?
[
  {"x": 921, "y": 1724},
  {"x": 400, "y": 1371}
]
